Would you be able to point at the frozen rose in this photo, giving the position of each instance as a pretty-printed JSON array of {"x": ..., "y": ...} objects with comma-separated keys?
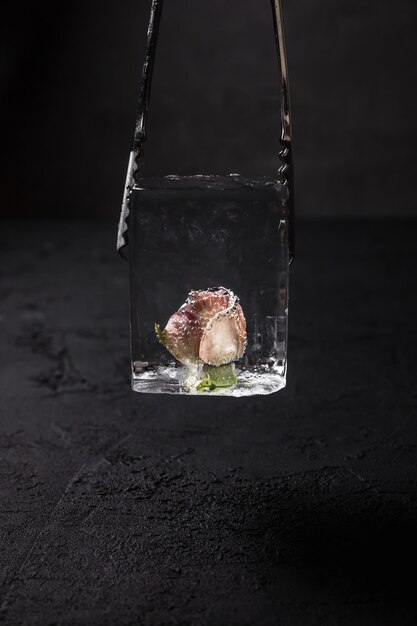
[{"x": 210, "y": 328}]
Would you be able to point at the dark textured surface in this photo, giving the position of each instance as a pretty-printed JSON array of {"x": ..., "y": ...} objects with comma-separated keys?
[{"x": 296, "y": 509}]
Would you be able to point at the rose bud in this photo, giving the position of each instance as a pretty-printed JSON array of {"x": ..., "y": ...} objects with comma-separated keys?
[{"x": 209, "y": 327}]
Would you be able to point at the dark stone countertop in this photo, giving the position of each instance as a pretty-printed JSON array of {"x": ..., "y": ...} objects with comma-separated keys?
[{"x": 297, "y": 509}]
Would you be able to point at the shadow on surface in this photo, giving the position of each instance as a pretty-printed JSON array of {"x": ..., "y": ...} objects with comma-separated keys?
[
  {"x": 368, "y": 557},
  {"x": 327, "y": 553}
]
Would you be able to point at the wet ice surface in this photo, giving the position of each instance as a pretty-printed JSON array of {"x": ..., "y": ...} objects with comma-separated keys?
[
  {"x": 232, "y": 182},
  {"x": 195, "y": 233},
  {"x": 173, "y": 380}
]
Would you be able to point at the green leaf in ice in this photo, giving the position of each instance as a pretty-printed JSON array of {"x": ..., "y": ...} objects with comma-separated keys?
[
  {"x": 221, "y": 376},
  {"x": 160, "y": 334}
]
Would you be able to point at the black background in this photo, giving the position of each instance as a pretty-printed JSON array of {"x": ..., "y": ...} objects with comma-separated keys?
[{"x": 70, "y": 77}]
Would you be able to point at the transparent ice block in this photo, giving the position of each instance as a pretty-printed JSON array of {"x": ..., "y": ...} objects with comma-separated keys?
[{"x": 206, "y": 232}]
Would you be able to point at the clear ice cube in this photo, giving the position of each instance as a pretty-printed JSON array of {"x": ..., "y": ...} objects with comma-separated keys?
[{"x": 203, "y": 232}]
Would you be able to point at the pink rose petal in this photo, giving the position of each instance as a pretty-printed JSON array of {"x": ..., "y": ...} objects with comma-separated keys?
[
  {"x": 205, "y": 304},
  {"x": 224, "y": 338},
  {"x": 182, "y": 336}
]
